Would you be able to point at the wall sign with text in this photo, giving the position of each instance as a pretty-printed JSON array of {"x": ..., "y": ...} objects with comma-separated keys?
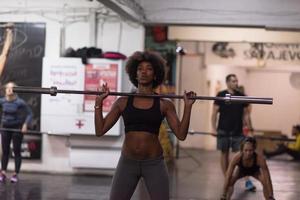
[{"x": 74, "y": 113}]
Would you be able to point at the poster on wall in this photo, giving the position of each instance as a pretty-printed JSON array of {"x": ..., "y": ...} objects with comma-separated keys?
[
  {"x": 95, "y": 76},
  {"x": 73, "y": 113},
  {"x": 24, "y": 67}
]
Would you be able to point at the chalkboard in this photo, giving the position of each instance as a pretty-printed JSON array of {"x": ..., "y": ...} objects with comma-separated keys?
[{"x": 24, "y": 63}]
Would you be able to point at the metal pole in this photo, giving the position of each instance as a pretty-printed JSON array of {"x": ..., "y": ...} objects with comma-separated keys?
[
  {"x": 261, "y": 137},
  {"x": 19, "y": 131},
  {"x": 178, "y": 102},
  {"x": 53, "y": 91}
]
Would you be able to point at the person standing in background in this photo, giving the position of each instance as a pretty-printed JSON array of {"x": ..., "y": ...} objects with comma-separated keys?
[{"x": 12, "y": 118}]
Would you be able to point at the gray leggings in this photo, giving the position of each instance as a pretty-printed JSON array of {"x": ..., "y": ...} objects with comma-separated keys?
[{"x": 128, "y": 173}]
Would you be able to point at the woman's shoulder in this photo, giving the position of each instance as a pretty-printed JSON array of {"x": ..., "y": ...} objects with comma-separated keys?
[
  {"x": 19, "y": 100},
  {"x": 121, "y": 102},
  {"x": 222, "y": 93},
  {"x": 166, "y": 103},
  {"x": 122, "y": 99}
]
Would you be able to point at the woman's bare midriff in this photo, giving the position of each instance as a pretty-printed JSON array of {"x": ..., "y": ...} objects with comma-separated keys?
[{"x": 141, "y": 145}]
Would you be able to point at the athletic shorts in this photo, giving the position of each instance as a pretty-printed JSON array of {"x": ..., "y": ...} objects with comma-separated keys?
[{"x": 227, "y": 140}]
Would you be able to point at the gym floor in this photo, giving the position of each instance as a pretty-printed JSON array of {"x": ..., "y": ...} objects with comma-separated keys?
[{"x": 196, "y": 175}]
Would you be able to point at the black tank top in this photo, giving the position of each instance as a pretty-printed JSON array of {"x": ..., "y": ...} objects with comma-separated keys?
[
  {"x": 249, "y": 171},
  {"x": 136, "y": 119}
]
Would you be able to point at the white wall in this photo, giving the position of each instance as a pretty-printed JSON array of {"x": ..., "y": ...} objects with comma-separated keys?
[
  {"x": 113, "y": 34},
  {"x": 284, "y": 113}
]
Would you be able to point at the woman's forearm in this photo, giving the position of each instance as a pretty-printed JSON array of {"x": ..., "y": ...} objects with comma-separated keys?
[
  {"x": 98, "y": 120},
  {"x": 185, "y": 122}
]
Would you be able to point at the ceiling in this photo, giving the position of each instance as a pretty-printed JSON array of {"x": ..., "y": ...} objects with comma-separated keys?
[{"x": 269, "y": 14}]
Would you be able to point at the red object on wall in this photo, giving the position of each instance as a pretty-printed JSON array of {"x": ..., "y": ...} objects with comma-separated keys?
[
  {"x": 159, "y": 33},
  {"x": 246, "y": 131}
]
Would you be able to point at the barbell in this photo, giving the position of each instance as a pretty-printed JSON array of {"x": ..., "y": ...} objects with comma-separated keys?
[{"x": 53, "y": 91}]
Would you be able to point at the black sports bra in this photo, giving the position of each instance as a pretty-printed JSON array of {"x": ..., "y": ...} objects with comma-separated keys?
[
  {"x": 249, "y": 170},
  {"x": 136, "y": 119}
]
